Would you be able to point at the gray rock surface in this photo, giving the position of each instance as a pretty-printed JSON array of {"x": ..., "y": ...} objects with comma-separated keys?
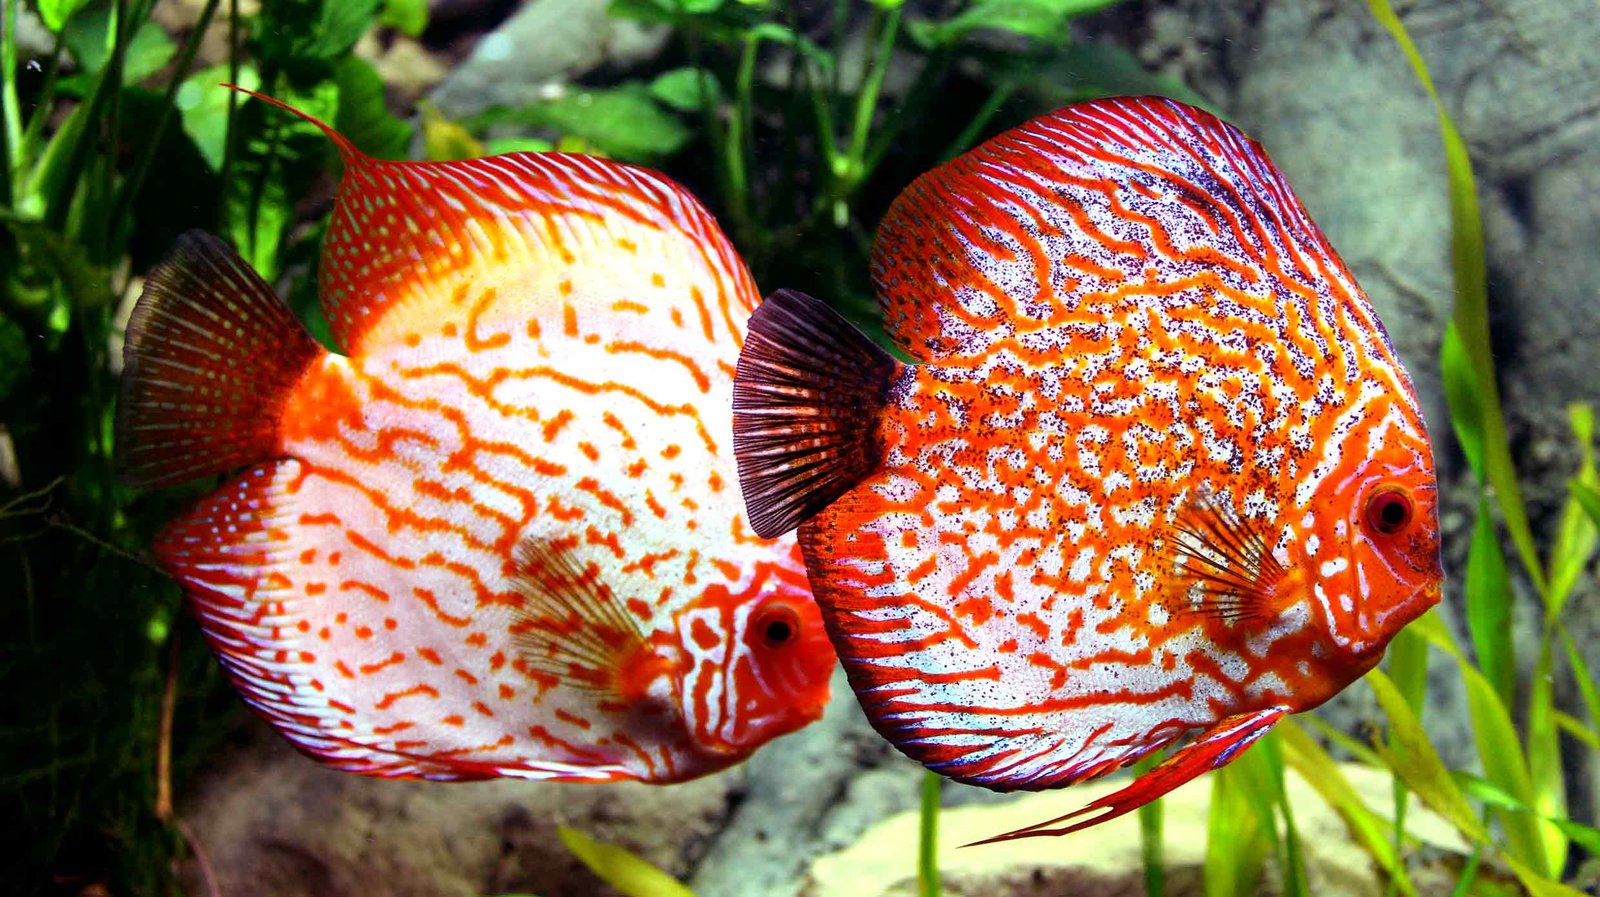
[{"x": 545, "y": 43}]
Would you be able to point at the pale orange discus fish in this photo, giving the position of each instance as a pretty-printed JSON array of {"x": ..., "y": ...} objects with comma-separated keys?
[
  {"x": 1157, "y": 471},
  {"x": 499, "y": 536}
]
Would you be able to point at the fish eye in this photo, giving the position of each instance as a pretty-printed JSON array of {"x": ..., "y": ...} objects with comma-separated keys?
[
  {"x": 778, "y": 625},
  {"x": 1389, "y": 511}
]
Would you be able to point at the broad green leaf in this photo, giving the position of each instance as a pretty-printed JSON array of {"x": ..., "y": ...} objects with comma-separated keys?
[
  {"x": 341, "y": 24},
  {"x": 409, "y": 17},
  {"x": 1488, "y": 599},
  {"x": 1471, "y": 313},
  {"x": 55, "y": 13},
  {"x": 88, "y": 38},
  {"x": 620, "y": 868},
  {"x": 1039, "y": 19},
  {"x": 364, "y": 116},
  {"x": 687, "y": 89},
  {"x": 202, "y": 104},
  {"x": 624, "y": 122},
  {"x": 494, "y": 146}
]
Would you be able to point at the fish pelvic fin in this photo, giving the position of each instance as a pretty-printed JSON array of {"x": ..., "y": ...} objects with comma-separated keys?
[
  {"x": 1214, "y": 748},
  {"x": 806, "y": 400},
  {"x": 210, "y": 359}
]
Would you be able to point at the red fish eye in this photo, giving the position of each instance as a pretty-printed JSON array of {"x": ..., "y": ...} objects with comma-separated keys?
[
  {"x": 1389, "y": 511},
  {"x": 778, "y": 625}
]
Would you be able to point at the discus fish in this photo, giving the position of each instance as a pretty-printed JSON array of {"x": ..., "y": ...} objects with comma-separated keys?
[
  {"x": 1156, "y": 472},
  {"x": 499, "y": 536}
]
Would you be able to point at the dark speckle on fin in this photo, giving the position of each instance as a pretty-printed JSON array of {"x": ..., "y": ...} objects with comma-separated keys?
[
  {"x": 572, "y": 626},
  {"x": 1228, "y": 570},
  {"x": 806, "y": 400}
]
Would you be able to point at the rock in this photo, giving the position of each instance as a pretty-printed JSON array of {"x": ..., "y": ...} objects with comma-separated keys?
[
  {"x": 546, "y": 42},
  {"x": 1105, "y": 860},
  {"x": 274, "y": 822}
]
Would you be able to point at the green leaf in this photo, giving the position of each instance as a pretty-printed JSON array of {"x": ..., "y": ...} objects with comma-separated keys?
[
  {"x": 1588, "y": 498},
  {"x": 1461, "y": 396},
  {"x": 1488, "y": 598},
  {"x": 202, "y": 104},
  {"x": 623, "y": 122},
  {"x": 1492, "y": 795},
  {"x": 88, "y": 38},
  {"x": 364, "y": 115},
  {"x": 1471, "y": 314},
  {"x": 1411, "y": 755},
  {"x": 1039, "y": 19},
  {"x": 622, "y": 869},
  {"x": 341, "y": 24},
  {"x": 495, "y": 146},
  {"x": 409, "y": 17},
  {"x": 687, "y": 89},
  {"x": 928, "y": 836},
  {"x": 55, "y": 13},
  {"x": 1152, "y": 852},
  {"x": 1237, "y": 843},
  {"x": 1578, "y": 532}
]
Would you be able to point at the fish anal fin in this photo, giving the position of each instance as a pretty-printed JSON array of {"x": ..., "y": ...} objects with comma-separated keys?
[
  {"x": 573, "y": 627},
  {"x": 806, "y": 399},
  {"x": 1219, "y": 565},
  {"x": 1212, "y": 749},
  {"x": 212, "y": 356}
]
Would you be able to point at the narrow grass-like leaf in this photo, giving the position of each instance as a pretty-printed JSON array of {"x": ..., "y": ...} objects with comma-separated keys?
[
  {"x": 1578, "y": 532},
  {"x": 1544, "y": 757},
  {"x": 620, "y": 868},
  {"x": 1581, "y": 675},
  {"x": 1236, "y": 843},
  {"x": 1488, "y": 598},
  {"x": 1588, "y": 498},
  {"x": 928, "y": 836},
  {"x": 1305, "y": 756},
  {"x": 1152, "y": 852},
  {"x": 1471, "y": 313},
  {"x": 1461, "y": 395}
]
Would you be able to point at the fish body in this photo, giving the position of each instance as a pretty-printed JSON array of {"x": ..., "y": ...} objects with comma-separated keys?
[
  {"x": 1156, "y": 471},
  {"x": 500, "y": 534}
]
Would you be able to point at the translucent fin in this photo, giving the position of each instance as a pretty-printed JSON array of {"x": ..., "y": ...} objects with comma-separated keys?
[
  {"x": 806, "y": 399},
  {"x": 211, "y": 355},
  {"x": 1225, "y": 569}
]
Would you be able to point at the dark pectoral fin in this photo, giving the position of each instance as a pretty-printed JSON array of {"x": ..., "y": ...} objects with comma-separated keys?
[
  {"x": 1214, "y": 748},
  {"x": 806, "y": 401},
  {"x": 210, "y": 357}
]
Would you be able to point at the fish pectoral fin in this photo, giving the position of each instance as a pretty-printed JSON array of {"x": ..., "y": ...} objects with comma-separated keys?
[
  {"x": 211, "y": 357},
  {"x": 806, "y": 399},
  {"x": 1225, "y": 569},
  {"x": 574, "y": 627},
  {"x": 1214, "y": 748}
]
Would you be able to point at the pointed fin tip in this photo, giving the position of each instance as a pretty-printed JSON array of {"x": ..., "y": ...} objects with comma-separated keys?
[
  {"x": 349, "y": 152},
  {"x": 806, "y": 399},
  {"x": 1214, "y": 748}
]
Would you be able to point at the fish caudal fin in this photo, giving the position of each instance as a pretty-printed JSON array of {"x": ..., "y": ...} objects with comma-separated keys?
[
  {"x": 1214, "y": 748},
  {"x": 806, "y": 400},
  {"x": 210, "y": 357}
]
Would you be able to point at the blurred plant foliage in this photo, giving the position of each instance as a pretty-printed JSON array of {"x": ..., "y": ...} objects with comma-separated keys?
[{"x": 797, "y": 123}]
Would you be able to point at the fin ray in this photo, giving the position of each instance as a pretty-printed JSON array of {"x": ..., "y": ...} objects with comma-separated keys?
[
  {"x": 806, "y": 396},
  {"x": 211, "y": 355}
]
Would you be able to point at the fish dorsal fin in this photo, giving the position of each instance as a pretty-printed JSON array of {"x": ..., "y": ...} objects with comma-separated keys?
[
  {"x": 420, "y": 245},
  {"x": 1121, "y": 199},
  {"x": 574, "y": 627},
  {"x": 1220, "y": 566}
]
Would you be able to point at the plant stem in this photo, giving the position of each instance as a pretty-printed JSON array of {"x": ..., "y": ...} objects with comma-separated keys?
[
  {"x": 191, "y": 45},
  {"x": 12, "y": 135},
  {"x": 969, "y": 134},
  {"x": 927, "y": 847}
]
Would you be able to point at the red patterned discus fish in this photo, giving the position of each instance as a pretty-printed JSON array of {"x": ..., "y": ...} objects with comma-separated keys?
[
  {"x": 1157, "y": 472},
  {"x": 499, "y": 536}
]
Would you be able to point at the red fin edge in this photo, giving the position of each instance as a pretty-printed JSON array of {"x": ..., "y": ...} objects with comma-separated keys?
[{"x": 1214, "y": 748}]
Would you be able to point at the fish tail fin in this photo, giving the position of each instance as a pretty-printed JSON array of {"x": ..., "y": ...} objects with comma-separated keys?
[
  {"x": 211, "y": 356},
  {"x": 348, "y": 151},
  {"x": 806, "y": 400}
]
